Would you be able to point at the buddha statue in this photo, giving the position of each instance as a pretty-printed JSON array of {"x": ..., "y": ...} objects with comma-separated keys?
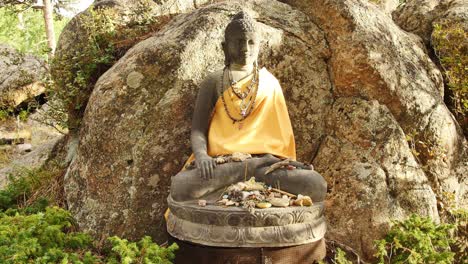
[
  {"x": 241, "y": 109},
  {"x": 241, "y": 129}
]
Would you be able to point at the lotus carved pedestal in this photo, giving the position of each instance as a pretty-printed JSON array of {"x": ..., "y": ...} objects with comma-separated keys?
[{"x": 215, "y": 234}]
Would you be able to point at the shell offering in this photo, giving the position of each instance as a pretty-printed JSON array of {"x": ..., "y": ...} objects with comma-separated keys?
[
  {"x": 252, "y": 194},
  {"x": 234, "y": 157}
]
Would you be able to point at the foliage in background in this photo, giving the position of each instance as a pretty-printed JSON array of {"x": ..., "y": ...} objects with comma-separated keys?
[
  {"x": 28, "y": 35},
  {"x": 4, "y": 114},
  {"x": 104, "y": 36},
  {"x": 416, "y": 240},
  {"x": 449, "y": 40},
  {"x": 458, "y": 217}
]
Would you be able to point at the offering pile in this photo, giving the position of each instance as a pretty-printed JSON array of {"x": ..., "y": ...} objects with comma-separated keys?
[{"x": 251, "y": 194}]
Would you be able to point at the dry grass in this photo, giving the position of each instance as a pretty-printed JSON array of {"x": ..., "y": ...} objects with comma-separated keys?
[
  {"x": 50, "y": 186},
  {"x": 6, "y": 156}
]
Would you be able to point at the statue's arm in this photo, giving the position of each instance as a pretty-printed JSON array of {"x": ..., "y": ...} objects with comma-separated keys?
[{"x": 201, "y": 117}]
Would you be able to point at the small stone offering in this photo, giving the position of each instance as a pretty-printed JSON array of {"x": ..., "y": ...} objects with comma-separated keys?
[{"x": 252, "y": 194}]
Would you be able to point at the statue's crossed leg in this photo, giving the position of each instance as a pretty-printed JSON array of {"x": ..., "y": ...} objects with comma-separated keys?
[{"x": 188, "y": 184}]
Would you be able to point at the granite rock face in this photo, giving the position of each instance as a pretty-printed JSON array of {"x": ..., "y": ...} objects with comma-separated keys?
[
  {"x": 419, "y": 16},
  {"x": 20, "y": 77},
  {"x": 373, "y": 176},
  {"x": 365, "y": 100},
  {"x": 375, "y": 61},
  {"x": 388, "y": 6}
]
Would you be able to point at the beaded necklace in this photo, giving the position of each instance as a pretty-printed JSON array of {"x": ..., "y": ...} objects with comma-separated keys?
[
  {"x": 241, "y": 95},
  {"x": 246, "y": 106}
]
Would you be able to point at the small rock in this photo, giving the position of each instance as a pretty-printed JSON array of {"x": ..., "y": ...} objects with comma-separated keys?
[
  {"x": 279, "y": 202},
  {"x": 303, "y": 200},
  {"x": 238, "y": 156},
  {"x": 24, "y": 148},
  {"x": 263, "y": 205}
]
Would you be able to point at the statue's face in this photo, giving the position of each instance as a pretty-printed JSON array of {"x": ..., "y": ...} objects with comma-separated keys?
[{"x": 242, "y": 47}]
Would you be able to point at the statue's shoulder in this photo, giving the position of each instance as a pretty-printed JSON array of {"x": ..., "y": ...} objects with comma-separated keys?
[
  {"x": 214, "y": 82},
  {"x": 267, "y": 77},
  {"x": 213, "y": 78},
  {"x": 211, "y": 82}
]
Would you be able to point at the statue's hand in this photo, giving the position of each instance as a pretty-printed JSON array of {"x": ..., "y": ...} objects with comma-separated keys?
[{"x": 206, "y": 164}]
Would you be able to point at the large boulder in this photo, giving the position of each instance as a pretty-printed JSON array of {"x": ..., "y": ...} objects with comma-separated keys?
[
  {"x": 371, "y": 172},
  {"x": 20, "y": 77},
  {"x": 416, "y": 16},
  {"x": 419, "y": 16},
  {"x": 374, "y": 60},
  {"x": 443, "y": 26},
  {"x": 364, "y": 99}
]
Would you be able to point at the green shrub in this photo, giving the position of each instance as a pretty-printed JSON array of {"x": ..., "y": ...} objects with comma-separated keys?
[
  {"x": 43, "y": 237},
  {"x": 340, "y": 257},
  {"x": 49, "y": 237},
  {"x": 450, "y": 213},
  {"x": 416, "y": 240},
  {"x": 4, "y": 114},
  {"x": 21, "y": 186},
  {"x": 460, "y": 235},
  {"x": 144, "y": 251},
  {"x": 450, "y": 46},
  {"x": 23, "y": 115},
  {"x": 33, "y": 189}
]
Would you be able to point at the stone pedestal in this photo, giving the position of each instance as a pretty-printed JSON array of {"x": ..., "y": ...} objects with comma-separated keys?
[{"x": 215, "y": 231}]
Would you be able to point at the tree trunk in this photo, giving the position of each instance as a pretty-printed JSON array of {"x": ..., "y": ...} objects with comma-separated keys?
[
  {"x": 20, "y": 21},
  {"x": 49, "y": 26}
]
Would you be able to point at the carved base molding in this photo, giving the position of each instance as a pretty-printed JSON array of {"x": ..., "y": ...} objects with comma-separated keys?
[{"x": 237, "y": 227}]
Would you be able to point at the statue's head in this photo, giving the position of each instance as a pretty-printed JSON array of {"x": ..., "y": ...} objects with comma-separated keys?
[{"x": 241, "y": 40}]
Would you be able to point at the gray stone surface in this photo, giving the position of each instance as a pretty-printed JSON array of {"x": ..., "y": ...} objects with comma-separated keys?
[
  {"x": 20, "y": 77},
  {"x": 34, "y": 159},
  {"x": 387, "y": 6},
  {"x": 419, "y": 16},
  {"x": 375, "y": 61},
  {"x": 237, "y": 227}
]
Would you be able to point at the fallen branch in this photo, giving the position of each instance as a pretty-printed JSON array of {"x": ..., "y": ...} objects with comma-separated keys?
[
  {"x": 277, "y": 165},
  {"x": 283, "y": 192}
]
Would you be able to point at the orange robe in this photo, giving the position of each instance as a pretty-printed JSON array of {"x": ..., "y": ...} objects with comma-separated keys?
[{"x": 266, "y": 130}]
